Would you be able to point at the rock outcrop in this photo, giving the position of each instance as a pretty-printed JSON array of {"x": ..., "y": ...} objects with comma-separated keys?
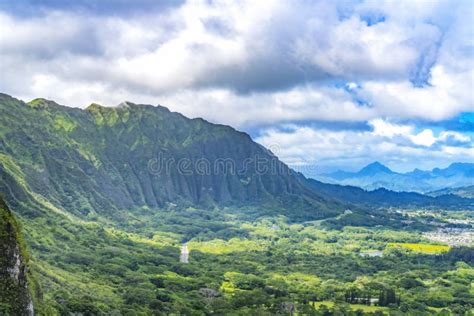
[{"x": 15, "y": 297}]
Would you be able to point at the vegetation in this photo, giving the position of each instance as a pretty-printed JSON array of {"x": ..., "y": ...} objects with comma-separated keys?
[
  {"x": 467, "y": 192},
  {"x": 104, "y": 228},
  {"x": 265, "y": 266}
]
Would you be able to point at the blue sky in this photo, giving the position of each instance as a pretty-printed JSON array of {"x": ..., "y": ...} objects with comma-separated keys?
[{"x": 324, "y": 84}]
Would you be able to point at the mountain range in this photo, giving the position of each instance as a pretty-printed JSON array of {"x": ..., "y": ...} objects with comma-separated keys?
[
  {"x": 106, "y": 162},
  {"x": 376, "y": 175}
]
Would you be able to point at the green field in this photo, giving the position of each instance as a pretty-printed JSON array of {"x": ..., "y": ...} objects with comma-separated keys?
[
  {"x": 423, "y": 248},
  {"x": 354, "y": 307}
]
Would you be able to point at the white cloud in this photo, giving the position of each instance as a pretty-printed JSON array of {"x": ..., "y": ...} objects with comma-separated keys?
[
  {"x": 446, "y": 136},
  {"x": 352, "y": 49},
  {"x": 446, "y": 95},
  {"x": 301, "y": 103},
  {"x": 387, "y": 129},
  {"x": 424, "y": 138}
]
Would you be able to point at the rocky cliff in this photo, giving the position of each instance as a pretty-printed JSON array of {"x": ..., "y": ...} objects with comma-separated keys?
[{"x": 15, "y": 298}]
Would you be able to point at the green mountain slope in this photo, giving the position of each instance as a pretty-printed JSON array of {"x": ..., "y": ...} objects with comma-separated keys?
[
  {"x": 107, "y": 161},
  {"x": 466, "y": 192}
]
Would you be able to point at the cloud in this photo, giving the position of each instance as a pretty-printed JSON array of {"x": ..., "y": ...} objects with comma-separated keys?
[
  {"x": 446, "y": 95},
  {"x": 425, "y": 137},
  {"x": 351, "y": 49},
  {"x": 291, "y": 59},
  {"x": 454, "y": 137},
  {"x": 387, "y": 129},
  {"x": 400, "y": 146},
  {"x": 101, "y": 7}
]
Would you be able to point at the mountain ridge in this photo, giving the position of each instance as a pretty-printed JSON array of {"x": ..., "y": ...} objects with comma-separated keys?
[
  {"x": 466, "y": 192},
  {"x": 102, "y": 159},
  {"x": 107, "y": 161}
]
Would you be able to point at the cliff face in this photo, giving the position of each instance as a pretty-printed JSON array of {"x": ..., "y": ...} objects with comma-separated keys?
[
  {"x": 15, "y": 298},
  {"x": 104, "y": 160}
]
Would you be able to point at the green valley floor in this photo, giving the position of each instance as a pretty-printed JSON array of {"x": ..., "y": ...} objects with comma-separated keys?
[{"x": 240, "y": 264}]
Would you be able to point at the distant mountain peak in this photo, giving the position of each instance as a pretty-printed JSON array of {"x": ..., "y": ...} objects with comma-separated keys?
[{"x": 374, "y": 168}]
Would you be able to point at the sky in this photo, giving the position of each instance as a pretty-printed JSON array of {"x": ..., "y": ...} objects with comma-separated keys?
[{"x": 324, "y": 84}]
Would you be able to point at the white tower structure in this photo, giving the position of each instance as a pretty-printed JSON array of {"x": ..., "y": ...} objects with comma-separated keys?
[{"x": 184, "y": 258}]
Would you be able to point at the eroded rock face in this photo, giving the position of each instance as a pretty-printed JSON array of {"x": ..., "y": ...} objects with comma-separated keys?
[
  {"x": 112, "y": 160},
  {"x": 15, "y": 298}
]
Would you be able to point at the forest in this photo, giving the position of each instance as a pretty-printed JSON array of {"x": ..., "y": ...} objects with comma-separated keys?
[{"x": 238, "y": 266}]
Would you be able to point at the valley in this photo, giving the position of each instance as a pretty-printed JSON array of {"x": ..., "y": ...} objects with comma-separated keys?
[{"x": 236, "y": 265}]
